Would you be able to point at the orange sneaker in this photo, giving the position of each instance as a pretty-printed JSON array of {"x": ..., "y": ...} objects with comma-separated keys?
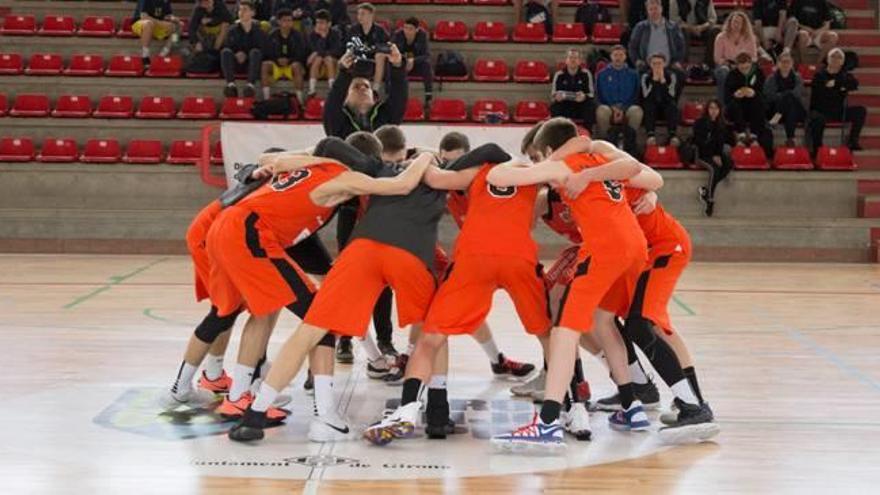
[
  {"x": 219, "y": 386},
  {"x": 235, "y": 410}
]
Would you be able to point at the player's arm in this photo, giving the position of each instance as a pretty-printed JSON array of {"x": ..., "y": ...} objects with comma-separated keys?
[
  {"x": 349, "y": 184},
  {"x": 647, "y": 179},
  {"x": 288, "y": 161},
  {"x": 450, "y": 180},
  {"x": 542, "y": 204},
  {"x": 646, "y": 204},
  {"x": 622, "y": 166},
  {"x": 515, "y": 173}
]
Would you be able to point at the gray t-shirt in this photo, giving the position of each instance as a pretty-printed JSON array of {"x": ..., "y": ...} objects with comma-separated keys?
[{"x": 658, "y": 42}]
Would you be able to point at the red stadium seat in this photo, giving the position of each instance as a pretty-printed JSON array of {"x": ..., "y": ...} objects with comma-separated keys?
[
  {"x": 11, "y": 64},
  {"x": 197, "y": 107},
  {"x": 807, "y": 72},
  {"x": 100, "y": 26},
  {"x": 45, "y": 64},
  {"x": 4, "y": 105},
  {"x": 450, "y": 31},
  {"x": 58, "y": 150},
  {"x": 237, "y": 109},
  {"x": 491, "y": 71},
  {"x": 607, "y": 34},
  {"x": 413, "y": 2},
  {"x": 73, "y": 106},
  {"x": 415, "y": 111},
  {"x": 527, "y": 32},
  {"x": 448, "y": 110},
  {"x": 16, "y": 149},
  {"x": 85, "y": 65},
  {"x": 165, "y": 67},
  {"x": 143, "y": 151},
  {"x": 314, "y": 108},
  {"x": 835, "y": 158},
  {"x": 115, "y": 107},
  {"x": 125, "y": 29},
  {"x": 567, "y": 32},
  {"x": 57, "y": 25},
  {"x": 794, "y": 158},
  {"x": 528, "y": 112},
  {"x": 494, "y": 111},
  {"x": 662, "y": 157},
  {"x": 692, "y": 111},
  {"x": 488, "y": 31},
  {"x": 444, "y": 2},
  {"x": 22, "y": 25},
  {"x": 125, "y": 66},
  {"x": 749, "y": 158},
  {"x": 531, "y": 71},
  {"x": 30, "y": 105},
  {"x": 491, "y": 2},
  {"x": 217, "y": 153},
  {"x": 185, "y": 152},
  {"x": 156, "y": 107},
  {"x": 101, "y": 151}
]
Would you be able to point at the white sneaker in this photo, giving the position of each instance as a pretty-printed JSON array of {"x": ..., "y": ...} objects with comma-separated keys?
[
  {"x": 577, "y": 421},
  {"x": 670, "y": 417},
  {"x": 529, "y": 388},
  {"x": 281, "y": 400},
  {"x": 380, "y": 367},
  {"x": 194, "y": 398},
  {"x": 399, "y": 424},
  {"x": 329, "y": 428}
]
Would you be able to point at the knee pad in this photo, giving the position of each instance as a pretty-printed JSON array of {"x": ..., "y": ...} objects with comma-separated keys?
[
  {"x": 329, "y": 340},
  {"x": 641, "y": 332},
  {"x": 212, "y": 326}
]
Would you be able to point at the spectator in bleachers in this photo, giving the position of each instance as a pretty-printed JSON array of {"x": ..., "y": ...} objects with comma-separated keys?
[
  {"x": 325, "y": 42},
  {"x": 537, "y": 12},
  {"x": 263, "y": 12},
  {"x": 208, "y": 26},
  {"x": 713, "y": 138},
  {"x": 657, "y": 35},
  {"x": 813, "y": 18},
  {"x": 285, "y": 56},
  {"x": 371, "y": 35},
  {"x": 154, "y": 20},
  {"x": 573, "y": 91},
  {"x": 698, "y": 20},
  {"x": 784, "y": 92},
  {"x": 829, "y": 91},
  {"x": 736, "y": 37},
  {"x": 301, "y": 11},
  {"x": 243, "y": 51},
  {"x": 661, "y": 88},
  {"x": 413, "y": 44},
  {"x": 617, "y": 88},
  {"x": 744, "y": 99},
  {"x": 633, "y": 12},
  {"x": 338, "y": 12},
  {"x": 770, "y": 17}
]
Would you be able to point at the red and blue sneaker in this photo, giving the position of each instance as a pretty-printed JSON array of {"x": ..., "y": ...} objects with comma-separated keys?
[
  {"x": 536, "y": 436},
  {"x": 632, "y": 419}
]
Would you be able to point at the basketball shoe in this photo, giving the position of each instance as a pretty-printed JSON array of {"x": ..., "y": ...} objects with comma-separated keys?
[
  {"x": 632, "y": 419},
  {"x": 398, "y": 371},
  {"x": 400, "y": 424},
  {"x": 329, "y": 428},
  {"x": 506, "y": 366},
  {"x": 532, "y": 387},
  {"x": 536, "y": 436},
  {"x": 694, "y": 423},
  {"x": 194, "y": 398},
  {"x": 647, "y": 393},
  {"x": 379, "y": 368},
  {"x": 218, "y": 386},
  {"x": 577, "y": 421},
  {"x": 235, "y": 409}
]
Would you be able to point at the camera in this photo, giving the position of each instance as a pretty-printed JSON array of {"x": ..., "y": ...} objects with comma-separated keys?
[{"x": 364, "y": 65}]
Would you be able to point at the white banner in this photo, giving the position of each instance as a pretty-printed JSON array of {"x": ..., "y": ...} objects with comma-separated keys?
[{"x": 244, "y": 141}]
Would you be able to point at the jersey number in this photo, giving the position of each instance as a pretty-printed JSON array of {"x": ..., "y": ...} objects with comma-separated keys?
[
  {"x": 286, "y": 180},
  {"x": 501, "y": 192},
  {"x": 614, "y": 189}
]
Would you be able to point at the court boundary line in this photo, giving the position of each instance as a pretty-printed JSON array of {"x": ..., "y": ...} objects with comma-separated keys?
[
  {"x": 833, "y": 358},
  {"x": 113, "y": 281}
]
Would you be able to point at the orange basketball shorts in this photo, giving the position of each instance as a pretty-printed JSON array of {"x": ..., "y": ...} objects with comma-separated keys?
[
  {"x": 656, "y": 285},
  {"x": 196, "y": 241}
]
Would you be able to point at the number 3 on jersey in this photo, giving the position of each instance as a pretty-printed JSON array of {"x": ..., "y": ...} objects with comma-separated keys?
[
  {"x": 614, "y": 189},
  {"x": 501, "y": 192},
  {"x": 286, "y": 180}
]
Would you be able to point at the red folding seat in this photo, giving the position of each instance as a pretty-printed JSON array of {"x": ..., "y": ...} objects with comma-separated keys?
[
  {"x": 22, "y": 25},
  {"x": 185, "y": 152},
  {"x": 793, "y": 158},
  {"x": 101, "y": 151},
  {"x": 165, "y": 66},
  {"x": 662, "y": 157},
  {"x": 197, "y": 107},
  {"x": 217, "y": 153},
  {"x": 444, "y": 2},
  {"x": 11, "y": 64},
  {"x": 490, "y": 31},
  {"x": 85, "y": 65},
  {"x": 607, "y": 34},
  {"x": 413, "y": 2},
  {"x": 16, "y": 149},
  {"x": 726, "y": 4},
  {"x": 527, "y": 32},
  {"x": 156, "y": 107},
  {"x": 4, "y": 105},
  {"x": 692, "y": 111},
  {"x": 73, "y": 106},
  {"x": 528, "y": 112},
  {"x": 143, "y": 151},
  {"x": 807, "y": 72},
  {"x": 415, "y": 111},
  {"x": 237, "y": 109},
  {"x": 448, "y": 110},
  {"x": 609, "y": 3},
  {"x": 125, "y": 29},
  {"x": 58, "y": 150},
  {"x": 100, "y": 26},
  {"x": 531, "y": 71},
  {"x": 58, "y": 25},
  {"x": 491, "y": 70},
  {"x": 115, "y": 107},
  {"x": 567, "y": 32},
  {"x": 494, "y": 111},
  {"x": 45, "y": 64},
  {"x": 749, "y": 158},
  {"x": 450, "y": 31},
  {"x": 314, "y": 108},
  {"x": 835, "y": 158},
  {"x": 125, "y": 66},
  {"x": 30, "y": 105},
  {"x": 491, "y": 2}
]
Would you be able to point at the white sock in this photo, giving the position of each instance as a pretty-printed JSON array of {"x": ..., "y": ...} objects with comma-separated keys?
[
  {"x": 370, "y": 348},
  {"x": 323, "y": 394},
  {"x": 682, "y": 390},
  {"x": 312, "y": 84},
  {"x": 637, "y": 373},
  {"x": 242, "y": 376},
  {"x": 183, "y": 383},
  {"x": 213, "y": 366},
  {"x": 265, "y": 398},
  {"x": 145, "y": 51},
  {"x": 437, "y": 381},
  {"x": 491, "y": 350},
  {"x": 267, "y": 92}
]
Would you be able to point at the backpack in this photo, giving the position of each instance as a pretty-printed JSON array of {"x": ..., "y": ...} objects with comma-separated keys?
[
  {"x": 205, "y": 61},
  {"x": 450, "y": 63},
  {"x": 850, "y": 61},
  {"x": 589, "y": 14},
  {"x": 278, "y": 105},
  {"x": 838, "y": 16}
]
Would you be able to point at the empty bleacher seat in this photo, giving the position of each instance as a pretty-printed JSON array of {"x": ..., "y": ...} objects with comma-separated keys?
[
  {"x": 57, "y": 25},
  {"x": 30, "y": 105},
  {"x": 237, "y": 109},
  {"x": 749, "y": 158},
  {"x": 568, "y": 32},
  {"x": 165, "y": 66},
  {"x": 125, "y": 29},
  {"x": 531, "y": 71},
  {"x": 85, "y": 65},
  {"x": 73, "y": 106},
  {"x": 101, "y": 151},
  {"x": 197, "y": 107},
  {"x": 494, "y": 111},
  {"x": 125, "y": 66},
  {"x": 662, "y": 157},
  {"x": 11, "y": 64},
  {"x": 14, "y": 149},
  {"x": 45, "y": 64},
  {"x": 835, "y": 158},
  {"x": 692, "y": 111},
  {"x": 97, "y": 26},
  {"x": 450, "y": 31},
  {"x": 527, "y": 32},
  {"x": 489, "y": 31},
  {"x": 56, "y": 150},
  {"x": 415, "y": 111},
  {"x": 448, "y": 110},
  {"x": 314, "y": 108},
  {"x": 143, "y": 151},
  {"x": 792, "y": 158},
  {"x": 527, "y": 112},
  {"x": 115, "y": 107},
  {"x": 491, "y": 70},
  {"x": 156, "y": 107},
  {"x": 185, "y": 152},
  {"x": 607, "y": 34},
  {"x": 17, "y": 24}
]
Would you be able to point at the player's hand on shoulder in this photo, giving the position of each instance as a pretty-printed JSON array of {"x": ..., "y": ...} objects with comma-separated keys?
[
  {"x": 646, "y": 204},
  {"x": 576, "y": 183}
]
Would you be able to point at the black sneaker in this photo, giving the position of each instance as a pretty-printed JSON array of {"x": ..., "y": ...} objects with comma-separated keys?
[
  {"x": 647, "y": 393},
  {"x": 379, "y": 368},
  {"x": 250, "y": 429},
  {"x": 145, "y": 61},
  {"x": 398, "y": 371},
  {"x": 249, "y": 91},
  {"x": 507, "y": 366},
  {"x": 230, "y": 91},
  {"x": 387, "y": 348},
  {"x": 344, "y": 354},
  {"x": 437, "y": 415},
  {"x": 695, "y": 423},
  {"x": 708, "y": 203}
]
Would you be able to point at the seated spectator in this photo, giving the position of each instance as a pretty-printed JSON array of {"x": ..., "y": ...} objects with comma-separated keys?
[
  {"x": 713, "y": 138},
  {"x": 736, "y": 37},
  {"x": 413, "y": 44},
  {"x": 243, "y": 51},
  {"x": 657, "y": 35},
  {"x": 537, "y": 12},
  {"x": 338, "y": 12},
  {"x": 208, "y": 27},
  {"x": 784, "y": 92},
  {"x": 299, "y": 9},
  {"x": 154, "y": 20},
  {"x": 617, "y": 88},
  {"x": 263, "y": 13},
  {"x": 325, "y": 41},
  {"x": 698, "y": 20},
  {"x": 372, "y": 35},
  {"x": 285, "y": 56},
  {"x": 813, "y": 21},
  {"x": 573, "y": 91},
  {"x": 661, "y": 88},
  {"x": 770, "y": 18},
  {"x": 828, "y": 94},
  {"x": 744, "y": 98}
]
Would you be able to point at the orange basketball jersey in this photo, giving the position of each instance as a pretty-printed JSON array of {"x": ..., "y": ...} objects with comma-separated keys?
[{"x": 662, "y": 230}]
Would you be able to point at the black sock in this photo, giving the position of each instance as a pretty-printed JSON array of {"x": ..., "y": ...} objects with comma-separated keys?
[
  {"x": 436, "y": 397},
  {"x": 691, "y": 374},
  {"x": 625, "y": 392},
  {"x": 550, "y": 411},
  {"x": 411, "y": 387}
]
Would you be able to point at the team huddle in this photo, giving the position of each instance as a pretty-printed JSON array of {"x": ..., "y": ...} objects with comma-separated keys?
[{"x": 255, "y": 248}]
